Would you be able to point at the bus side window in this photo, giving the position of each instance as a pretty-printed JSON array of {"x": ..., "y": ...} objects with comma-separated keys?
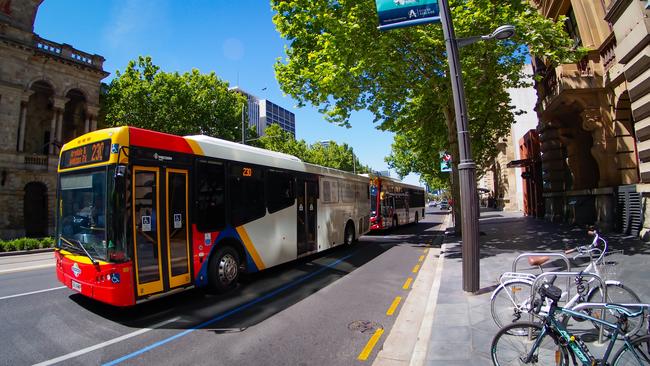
[
  {"x": 280, "y": 190},
  {"x": 210, "y": 198},
  {"x": 246, "y": 194}
]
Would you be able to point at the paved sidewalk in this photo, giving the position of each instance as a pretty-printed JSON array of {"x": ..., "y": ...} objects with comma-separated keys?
[{"x": 463, "y": 328}]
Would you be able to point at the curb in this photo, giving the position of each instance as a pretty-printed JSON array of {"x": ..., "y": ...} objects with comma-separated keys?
[
  {"x": 21, "y": 252},
  {"x": 407, "y": 343},
  {"x": 424, "y": 334}
]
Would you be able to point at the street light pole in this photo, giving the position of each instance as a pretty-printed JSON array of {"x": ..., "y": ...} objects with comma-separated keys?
[{"x": 466, "y": 166}]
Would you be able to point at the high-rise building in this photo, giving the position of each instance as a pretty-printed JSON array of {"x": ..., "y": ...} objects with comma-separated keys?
[
  {"x": 262, "y": 113},
  {"x": 271, "y": 113}
]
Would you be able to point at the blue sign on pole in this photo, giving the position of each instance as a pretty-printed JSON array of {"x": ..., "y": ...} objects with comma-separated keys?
[{"x": 405, "y": 13}]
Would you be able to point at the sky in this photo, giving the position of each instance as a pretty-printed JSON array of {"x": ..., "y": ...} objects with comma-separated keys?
[{"x": 235, "y": 39}]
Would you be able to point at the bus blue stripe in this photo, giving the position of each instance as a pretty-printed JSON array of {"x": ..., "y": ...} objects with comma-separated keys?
[{"x": 228, "y": 313}]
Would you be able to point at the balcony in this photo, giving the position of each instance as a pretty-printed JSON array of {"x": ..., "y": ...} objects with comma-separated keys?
[
  {"x": 567, "y": 78},
  {"x": 69, "y": 53}
]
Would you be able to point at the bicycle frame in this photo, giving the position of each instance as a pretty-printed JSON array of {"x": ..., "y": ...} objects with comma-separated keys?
[{"x": 579, "y": 350}]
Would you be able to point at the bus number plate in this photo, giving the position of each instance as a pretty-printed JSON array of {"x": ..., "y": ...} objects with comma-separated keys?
[{"x": 76, "y": 286}]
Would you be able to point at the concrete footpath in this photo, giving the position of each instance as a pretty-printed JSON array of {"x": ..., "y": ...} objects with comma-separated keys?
[{"x": 455, "y": 327}]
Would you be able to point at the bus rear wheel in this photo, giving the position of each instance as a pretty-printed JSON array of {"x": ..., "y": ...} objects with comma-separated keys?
[{"x": 224, "y": 269}]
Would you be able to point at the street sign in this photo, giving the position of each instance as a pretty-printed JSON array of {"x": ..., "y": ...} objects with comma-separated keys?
[
  {"x": 405, "y": 13},
  {"x": 445, "y": 161}
]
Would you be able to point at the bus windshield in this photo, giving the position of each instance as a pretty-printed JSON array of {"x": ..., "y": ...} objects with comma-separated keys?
[{"x": 82, "y": 214}]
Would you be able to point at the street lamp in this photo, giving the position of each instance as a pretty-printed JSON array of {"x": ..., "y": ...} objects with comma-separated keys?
[{"x": 466, "y": 166}]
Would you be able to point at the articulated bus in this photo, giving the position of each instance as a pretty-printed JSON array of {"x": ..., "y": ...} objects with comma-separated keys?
[
  {"x": 141, "y": 214},
  {"x": 394, "y": 203}
]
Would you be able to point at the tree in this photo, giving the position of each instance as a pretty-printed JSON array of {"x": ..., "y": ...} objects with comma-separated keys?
[
  {"x": 331, "y": 155},
  {"x": 339, "y": 61},
  {"x": 181, "y": 104}
]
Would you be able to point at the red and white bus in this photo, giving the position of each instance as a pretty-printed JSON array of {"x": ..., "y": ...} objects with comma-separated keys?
[
  {"x": 142, "y": 214},
  {"x": 394, "y": 203}
]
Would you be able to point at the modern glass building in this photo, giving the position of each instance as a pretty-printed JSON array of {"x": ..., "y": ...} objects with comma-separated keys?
[{"x": 262, "y": 113}]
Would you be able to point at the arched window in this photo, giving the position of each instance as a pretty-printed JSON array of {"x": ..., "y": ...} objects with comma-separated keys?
[
  {"x": 35, "y": 210},
  {"x": 38, "y": 126},
  {"x": 74, "y": 115}
]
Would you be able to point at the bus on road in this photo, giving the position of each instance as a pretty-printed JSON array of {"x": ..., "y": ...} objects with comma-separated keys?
[
  {"x": 394, "y": 203},
  {"x": 141, "y": 214}
]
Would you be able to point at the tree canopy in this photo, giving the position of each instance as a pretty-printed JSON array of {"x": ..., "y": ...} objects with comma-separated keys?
[
  {"x": 189, "y": 103},
  {"x": 338, "y": 60},
  {"x": 331, "y": 154}
]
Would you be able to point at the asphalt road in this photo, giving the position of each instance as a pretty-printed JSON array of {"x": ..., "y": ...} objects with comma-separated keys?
[{"x": 321, "y": 310}]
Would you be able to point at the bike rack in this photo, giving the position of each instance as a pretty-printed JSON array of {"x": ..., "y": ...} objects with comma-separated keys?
[
  {"x": 601, "y": 305},
  {"x": 541, "y": 254},
  {"x": 601, "y": 283},
  {"x": 546, "y": 254}
]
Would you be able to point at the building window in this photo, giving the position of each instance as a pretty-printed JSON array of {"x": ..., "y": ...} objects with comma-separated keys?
[{"x": 571, "y": 26}]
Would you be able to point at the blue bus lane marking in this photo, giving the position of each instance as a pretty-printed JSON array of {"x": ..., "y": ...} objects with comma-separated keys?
[{"x": 228, "y": 313}]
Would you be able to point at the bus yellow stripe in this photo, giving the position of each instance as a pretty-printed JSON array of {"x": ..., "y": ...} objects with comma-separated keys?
[
  {"x": 250, "y": 248},
  {"x": 196, "y": 148}
]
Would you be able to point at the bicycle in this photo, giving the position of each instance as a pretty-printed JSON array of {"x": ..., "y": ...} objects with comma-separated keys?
[
  {"x": 512, "y": 298},
  {"x": 550, "y": 343}
]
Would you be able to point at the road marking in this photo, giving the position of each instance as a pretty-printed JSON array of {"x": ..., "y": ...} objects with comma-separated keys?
[
  {"x": 27, "y": 268},
  {"x": 229, "y": 313},
  {"x": 105, "y": 344},
  {"x": 421, "y": 258},
  {"x": 425, "y": 251},
  {"x": 407, "y": 284},
  {"x": 416, "y": 268},
  {"x": 394, "y": 305},
  {"x": 370, "y": 345},
  {"x": 31, "y": 293}
]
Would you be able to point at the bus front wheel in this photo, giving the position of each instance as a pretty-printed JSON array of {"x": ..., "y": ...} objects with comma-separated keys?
[{"x": 224, "y": 269}]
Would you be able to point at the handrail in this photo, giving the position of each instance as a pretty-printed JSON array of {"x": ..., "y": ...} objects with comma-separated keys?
[{"x": 601, "y": 283}]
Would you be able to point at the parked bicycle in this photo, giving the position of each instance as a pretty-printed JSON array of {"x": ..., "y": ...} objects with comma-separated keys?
[
  {"x": 551, "y": 343},
  {"x": 511, "y": 300}
]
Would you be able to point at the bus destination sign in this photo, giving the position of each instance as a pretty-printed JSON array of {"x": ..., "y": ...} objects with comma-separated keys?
[{"x": 96, "y": 152}]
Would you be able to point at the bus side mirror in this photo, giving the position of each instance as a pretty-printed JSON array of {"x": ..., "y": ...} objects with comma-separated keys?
[{"x": 120, "y": 171}]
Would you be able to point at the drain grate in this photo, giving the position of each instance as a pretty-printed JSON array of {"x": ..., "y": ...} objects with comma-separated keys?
[{"x": 364, "y": 326}]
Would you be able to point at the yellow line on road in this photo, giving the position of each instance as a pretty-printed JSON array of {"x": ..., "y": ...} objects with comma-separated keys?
[
  {"x": 407, "y": 284},
  {"x": 394, "y": 305},
  {"x": 416, "y": 268},
  {"x": 370, "y": 345},
  {"x": 425, "y": 251},
  {"x": 421, "y": 258}
]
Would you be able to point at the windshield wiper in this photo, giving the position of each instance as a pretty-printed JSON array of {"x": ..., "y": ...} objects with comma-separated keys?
[{"x": 78, "y": 243}]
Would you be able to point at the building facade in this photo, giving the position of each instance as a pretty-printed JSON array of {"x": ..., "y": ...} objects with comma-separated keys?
[
  {"x": 49, "y": 94},
  {"x": 262, "y": 113},
  {"x": 271, "y": 113},
  {"x": 502, "y": 185},
  {"x": 588, "y": 127}
]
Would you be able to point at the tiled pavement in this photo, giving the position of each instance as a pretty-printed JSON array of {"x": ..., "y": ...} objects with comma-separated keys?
[{"x": 462, "y": 325}]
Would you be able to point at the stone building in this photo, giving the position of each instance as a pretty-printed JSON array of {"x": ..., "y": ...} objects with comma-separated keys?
[
  {"x": 592, "y": 114},
  {"x": 49, "y": 94}
]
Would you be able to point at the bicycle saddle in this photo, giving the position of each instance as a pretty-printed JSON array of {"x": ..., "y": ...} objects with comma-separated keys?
[{"x": 538, "y": 260}]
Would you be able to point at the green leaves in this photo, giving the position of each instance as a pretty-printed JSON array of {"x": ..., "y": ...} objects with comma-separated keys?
[
  {"x": 181, "y": 104},
  {"x": 339, "y": 61},
  {"x": 330, "y": 154}
]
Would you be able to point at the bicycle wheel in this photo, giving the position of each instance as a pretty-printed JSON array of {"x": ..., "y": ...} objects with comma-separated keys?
[
  {"x": 514, "y": 342},
  {"x": 510, "y": 302},
  {"x": 638, "y": 355},
  {"x": 617, "y": 293}
]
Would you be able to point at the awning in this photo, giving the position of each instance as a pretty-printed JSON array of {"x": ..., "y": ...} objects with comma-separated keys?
[{"x": 521, "y": 163}]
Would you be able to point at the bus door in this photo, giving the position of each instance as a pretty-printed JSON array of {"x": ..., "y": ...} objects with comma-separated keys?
[
  {"x": 160, "y": 232},
  {"x": 306, "y": 194}
]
